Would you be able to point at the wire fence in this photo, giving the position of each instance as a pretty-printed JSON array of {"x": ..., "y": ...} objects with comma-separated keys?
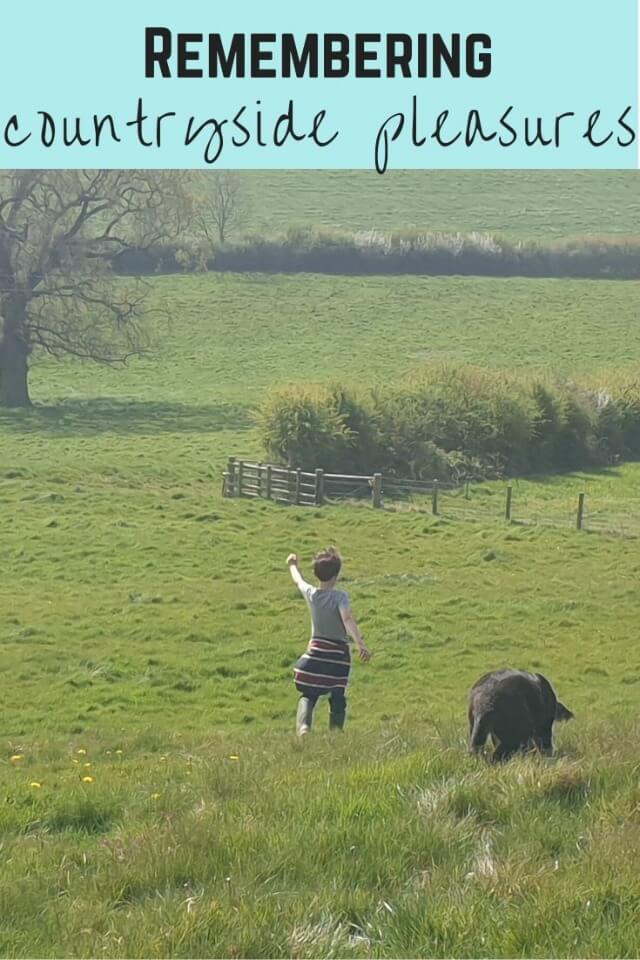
[{"x": 463, "y": 502}]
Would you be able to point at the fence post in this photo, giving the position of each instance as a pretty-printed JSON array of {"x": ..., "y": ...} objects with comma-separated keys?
[
  {"x": 298, "y": 472},
  {"x": 434, "y": 499},
  {"x": 580, "y": 517},
  {"x": 230, "y": 477},
  {"x": 376, "y": 491},
  {"x": 240, "y": 476},
  {"x": 267, "y": 492},
  {"x": 319, "y": 487},
  {"x": 260, "y": 465},
  {"x": 507, "y": 512}
]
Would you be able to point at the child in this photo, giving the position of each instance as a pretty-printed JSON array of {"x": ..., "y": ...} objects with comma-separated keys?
[{"x": 325, "y": 667}]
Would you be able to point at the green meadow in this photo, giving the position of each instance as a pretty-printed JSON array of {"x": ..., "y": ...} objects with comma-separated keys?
[
  {"x": 154, "y": 800},
  {"x": 532, "y": 204}
]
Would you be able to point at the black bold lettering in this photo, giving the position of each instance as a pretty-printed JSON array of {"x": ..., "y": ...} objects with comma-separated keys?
[
  {"x": 478, "y": 63},
  {"x": 186, "y": 56},
  {"x": 227, "y": 64},
  {"x": 305, "y": 62},
  {"x": 331, "y": 55},
  {"x": 395, "y": 59},
  {"x": 152, "y": 56},
  {"x": 258, "y": 55},
  {"x": 364, "y": 56},
  {"x": 451, "y": 56}
]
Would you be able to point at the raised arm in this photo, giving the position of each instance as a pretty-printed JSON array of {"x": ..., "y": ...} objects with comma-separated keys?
[
  {"x": 293, "y": 562},
  {"x": 353, "y": 630}
]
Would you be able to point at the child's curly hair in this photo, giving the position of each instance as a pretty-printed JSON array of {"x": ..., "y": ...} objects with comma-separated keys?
[{"x": 327, "y": 564}]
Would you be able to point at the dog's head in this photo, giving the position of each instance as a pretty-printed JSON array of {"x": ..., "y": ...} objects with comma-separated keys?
[{"x": 562, "y": 712}]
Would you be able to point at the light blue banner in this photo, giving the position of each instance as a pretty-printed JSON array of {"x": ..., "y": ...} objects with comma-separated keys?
[{"x": 571, "y": 63}]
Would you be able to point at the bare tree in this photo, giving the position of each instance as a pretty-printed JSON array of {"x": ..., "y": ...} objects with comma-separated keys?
[
  {"x": 222, "y": 205},
  {"x": 59, "y": 231}
]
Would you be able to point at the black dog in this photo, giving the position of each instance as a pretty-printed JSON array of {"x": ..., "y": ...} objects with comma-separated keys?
[{"x": 517, "y": 709}]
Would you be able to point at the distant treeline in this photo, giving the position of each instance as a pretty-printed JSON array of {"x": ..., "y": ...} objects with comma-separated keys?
[
  {"x": 406, "y": 252},
  {"x": 455, "y": 422}
]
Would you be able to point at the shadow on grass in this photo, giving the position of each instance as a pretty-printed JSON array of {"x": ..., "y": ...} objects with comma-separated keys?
[
  {"x": 85, "y": 418},
  {"x": 585, "y": 473}
]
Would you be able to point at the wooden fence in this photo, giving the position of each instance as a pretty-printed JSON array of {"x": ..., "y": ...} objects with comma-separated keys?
[{"x": 244, "y": 478}]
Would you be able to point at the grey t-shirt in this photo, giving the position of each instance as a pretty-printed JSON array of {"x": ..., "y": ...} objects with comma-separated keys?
[{"x": 325, "y": 607}]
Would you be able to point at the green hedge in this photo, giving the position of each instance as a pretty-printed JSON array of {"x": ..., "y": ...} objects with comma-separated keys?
[
  {"x": 454, "y": 422},
  {"x": 406, "y": 252}
]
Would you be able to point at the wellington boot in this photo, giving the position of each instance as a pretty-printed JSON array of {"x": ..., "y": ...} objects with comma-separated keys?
[
  {"x": 304, "y": 716},
  {"x": 337, "y": 719}
]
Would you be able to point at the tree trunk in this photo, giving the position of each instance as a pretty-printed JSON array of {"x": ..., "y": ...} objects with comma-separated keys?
[
  {"x": 14, "y": 358},
  {"x": 14, "y": 386}
]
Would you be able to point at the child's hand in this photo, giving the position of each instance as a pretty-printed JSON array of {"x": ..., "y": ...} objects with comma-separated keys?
[
  {"x": 365, "y": 653},
  {"x": 293, "y": 560}
]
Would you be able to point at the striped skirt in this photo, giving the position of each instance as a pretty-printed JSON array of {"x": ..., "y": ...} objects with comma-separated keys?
[{"x": 325, "y": 666}]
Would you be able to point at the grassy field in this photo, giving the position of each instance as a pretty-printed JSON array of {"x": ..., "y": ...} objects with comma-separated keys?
[
  {"x": 153, "y": 800},
  {"x": 384, "y": 843},
  {"x": 515, "y": 203},
  {"x": 233, "y": 336}
]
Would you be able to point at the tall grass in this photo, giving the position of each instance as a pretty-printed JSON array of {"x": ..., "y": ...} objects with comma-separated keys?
[{"x": 390, "y": 842}]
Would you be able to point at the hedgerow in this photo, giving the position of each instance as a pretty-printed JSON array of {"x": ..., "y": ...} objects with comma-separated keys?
[{"x": 453, "y": 421}]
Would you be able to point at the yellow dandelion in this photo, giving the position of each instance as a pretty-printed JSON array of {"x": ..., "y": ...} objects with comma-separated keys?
[
  {"x": 35, "y": 784},
  {"x": 188, "y": 772},
  {"x": 163, "y": 758},
  {"x": 233, "y": 756},
  {"x": 17, "y": 757},
  {"x": 87, "y": 779},
  {"x": 119, "y": 752},
  {"x": 73, "y": 760},
  {"x": 155, "y": 796},
  {"x": 108, "y": 753},
  {"x": 81, "y": 752},
  {"x": 86, "y": 764}
]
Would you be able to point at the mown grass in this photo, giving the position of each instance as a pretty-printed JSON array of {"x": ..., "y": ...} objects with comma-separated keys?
[
  {"x": 611, "y": 502},
  {"x": 140, "y": 612},
  {"x": 231, "y": 337},
  {"x": 524, "y": 204},
  {"x": 149, "y": 603}
]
